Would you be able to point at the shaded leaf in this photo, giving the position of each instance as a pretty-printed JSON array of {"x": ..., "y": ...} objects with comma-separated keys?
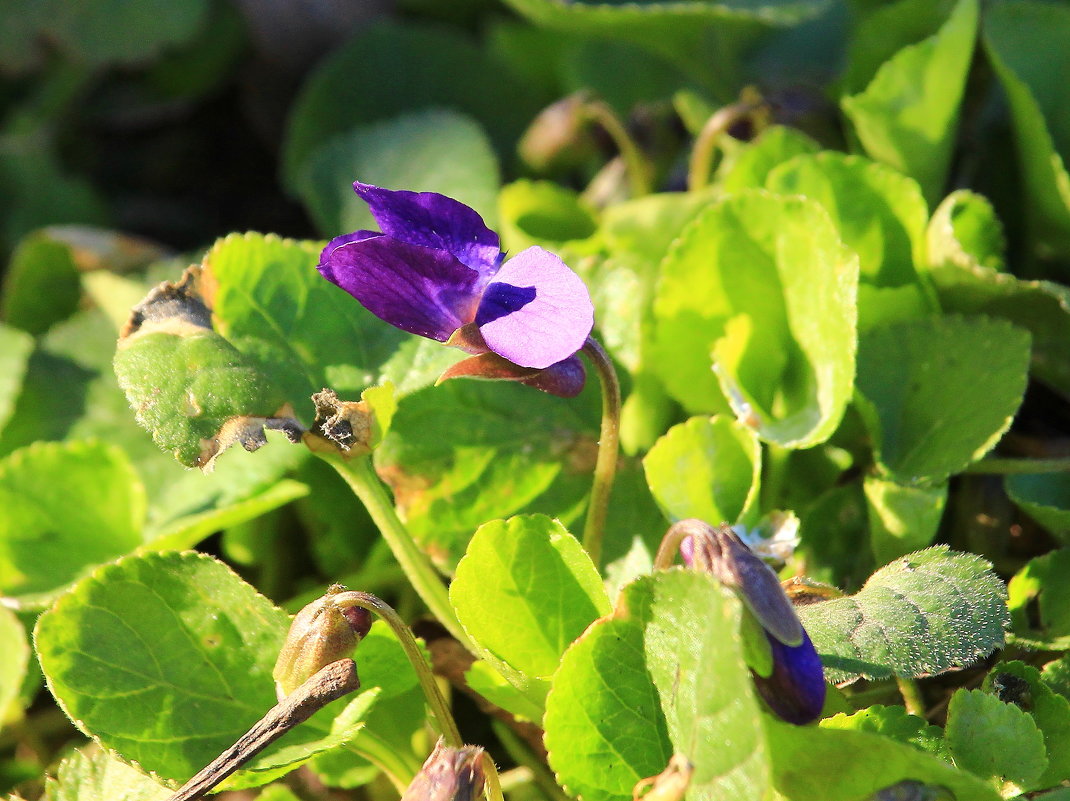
[
  {"x": 68, "y": 507},
  {"x": 966, "y": 256},
  {"x": 389, "y": 69},
  {"x": 937, "y": 394},
  {"x": 907, "y": 116},
  {"x": 435, "y": 150},
  {"x": 901, "y": 518},
  {"x": 1049, "y": 710},
  {"x": 1022, "y": 41},
  {"x": 991, "y": 738},
  {"x": 864, "y": 763},
  {"x": 41, "y": 286}
]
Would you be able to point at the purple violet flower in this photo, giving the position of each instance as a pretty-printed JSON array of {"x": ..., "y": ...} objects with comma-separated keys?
[
  {"x": 436, "y": 270},
  {"x": 795, "y": 688}
]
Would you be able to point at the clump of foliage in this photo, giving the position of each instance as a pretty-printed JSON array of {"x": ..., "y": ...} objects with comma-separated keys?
[{"x": 634, "y": 305}]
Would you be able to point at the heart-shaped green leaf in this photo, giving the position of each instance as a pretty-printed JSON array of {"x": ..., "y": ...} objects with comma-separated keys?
[
  {"x": 763, "y": 283},
  {"x": 937, "y": 394},
  {"x": 707, "y": 468},
  {"x": 524, "y": 591}
]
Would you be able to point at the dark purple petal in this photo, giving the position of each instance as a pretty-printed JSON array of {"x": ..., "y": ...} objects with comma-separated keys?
[
  {"x": 338, "y": 241},
  {"x": 434, "y": 221},
  {"x": 564, "y": 379},
  {"x": 795, "y": 690},
  {"x": 417, "y": 289},
  {"x": 536, "y": 312}
]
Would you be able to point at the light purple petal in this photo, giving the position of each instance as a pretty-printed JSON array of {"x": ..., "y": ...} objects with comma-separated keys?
[
  {"x": 536, "y": 312},
  {"x": 416, "y": 289},
  {"x": 434, "y": 221}
]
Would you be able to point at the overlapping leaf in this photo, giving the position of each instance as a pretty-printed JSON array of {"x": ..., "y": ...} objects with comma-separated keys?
[
  {"x": 926, "y": 613},
  {"x": 937, "y": 394},
  {"x": 764, "y": 284},
  {"x": 183, "y": 650},
  {"x": 664, "y": 674},
  {"x": 524, "y": 591}
]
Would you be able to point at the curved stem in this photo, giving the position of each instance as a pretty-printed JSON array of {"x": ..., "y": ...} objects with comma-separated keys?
[
  {"x": 439, "y": 708},
  {"x": 700, "y": 165},
  {"x": 670, "y": 543},
  {"x": 605, "y": 467},
  {"x": 634, "y": 162},
  {"x": 1006, "y": 467},
  {"x": 427, "y": 582}
]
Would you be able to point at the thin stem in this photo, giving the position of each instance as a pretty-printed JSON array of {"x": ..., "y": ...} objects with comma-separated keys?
[
  {"x": 634, "y": 162},
  {"x": 439, "y": 708},
  {"x": 700, "y": 166},
  {"x": 361, "y": 478},
  {"x": 328, "y": 684},
  {"x": 605, "y": 467},
  {"x": 912, "y": 697},
  {"x": 997, "y": 466},
  {"x": 670, "y": 543},
  {"x": 521, "y": 752}
]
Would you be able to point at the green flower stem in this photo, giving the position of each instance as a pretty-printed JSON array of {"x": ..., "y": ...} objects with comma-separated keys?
[
  {"x": 521, "y": 753},
  {"x": 670, "y": 543},
  {"x": 1006, "y": 467},
  {"x": 361, "y": 478},
  {"x": 635, "y": 162},
  {"x": 912, "y": 697},
  {"x": 700, "y": 165},
  {"x": 605, "y": 467},
  {"x": 439, "y": 708}
]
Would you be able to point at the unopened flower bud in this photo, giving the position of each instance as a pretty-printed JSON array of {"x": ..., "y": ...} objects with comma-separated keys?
[
  {"x": 559, "y": 136},
  {"x": 326, "y": 630},
  {"x": 794, "y": 687},
  {"x": 449, "y": 774},
  {"x": 911, "y": 790}
]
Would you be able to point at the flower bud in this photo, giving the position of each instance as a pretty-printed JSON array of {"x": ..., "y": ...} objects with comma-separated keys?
[
  {"x": 326, "y": 630},
  {"x": 449, "y": 774},
  {"x": 791, "y": 680},
  {"x": 559, "y": 137},
  {"x": 911, "y": 790}
]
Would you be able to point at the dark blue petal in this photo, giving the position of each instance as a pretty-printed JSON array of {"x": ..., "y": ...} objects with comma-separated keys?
[
  {"x": 432, "y": 220},
  {"x": 417, "y": 289},
  {"x": 795, "y": 690}
]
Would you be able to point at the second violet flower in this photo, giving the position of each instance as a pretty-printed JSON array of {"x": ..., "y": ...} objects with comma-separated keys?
[{"x": 437, "y": 271}]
